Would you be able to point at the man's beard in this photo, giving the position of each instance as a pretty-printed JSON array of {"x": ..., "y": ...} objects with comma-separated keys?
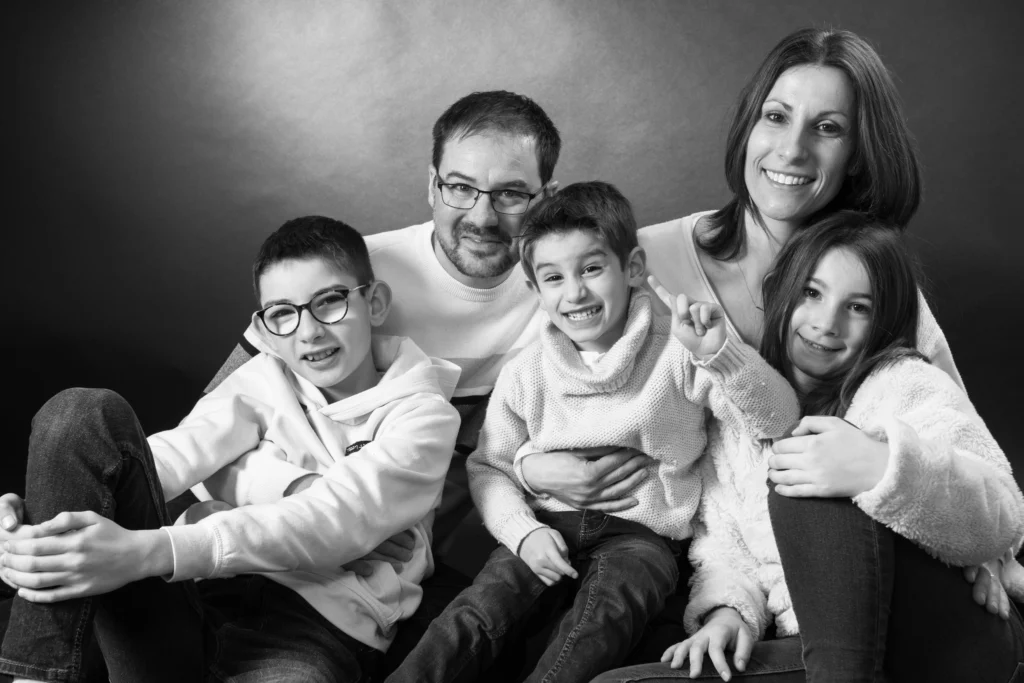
[{"x": 475, "y": 267}]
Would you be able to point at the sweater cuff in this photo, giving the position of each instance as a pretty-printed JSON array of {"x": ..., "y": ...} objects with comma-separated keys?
[
  {"x": 517, "y": 469},
  {"x": 729, "y": 360},
  {"x": 514, "y": 529},
  {"x": 700, "y": 606},
  {"x": 196, "y": 549}
]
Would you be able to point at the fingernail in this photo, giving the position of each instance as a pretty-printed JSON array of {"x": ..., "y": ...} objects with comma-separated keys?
[
  {"x": 741, "y": 664},
  {"x": 8, "y": 522}
]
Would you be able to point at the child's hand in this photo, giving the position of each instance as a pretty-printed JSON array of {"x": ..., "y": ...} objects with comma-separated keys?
[
  {"x": 699, "y": 325},
  {"x": 12, "y": 511},
  {"x": 988, "y": 588},
  {"x": 396, "y": 551},
  {"x": 723, "y": 629},
  {"x": 547, "y": 555},
  {"x": 78, "y": 554}
]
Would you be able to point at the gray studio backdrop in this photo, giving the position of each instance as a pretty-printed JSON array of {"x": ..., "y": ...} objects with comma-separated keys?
[{"x": 151, "y": 145}]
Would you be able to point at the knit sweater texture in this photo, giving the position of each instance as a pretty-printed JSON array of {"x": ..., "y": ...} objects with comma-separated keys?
[
  {"x": 649, "y": 393},
  {"x": 947, "y": 487}
]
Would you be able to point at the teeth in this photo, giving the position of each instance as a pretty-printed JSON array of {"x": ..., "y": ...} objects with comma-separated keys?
[
  {"x": 584, "y": 314},
  {"x": 319, "y": 355},
  {"x": 819, "y": 346},
  {"x": 784, "y": 179}
]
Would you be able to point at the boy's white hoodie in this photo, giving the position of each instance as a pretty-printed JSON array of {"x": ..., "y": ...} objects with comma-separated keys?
[
  {"x": 383, "y": 454},
  {"x": 947, "y": 486}
]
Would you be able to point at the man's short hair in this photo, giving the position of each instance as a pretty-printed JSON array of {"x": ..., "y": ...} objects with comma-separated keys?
[
  {"x": 594, "y": 206},
  {"x": 500, "y": 111},
  {"x": 311, "y": 237}
]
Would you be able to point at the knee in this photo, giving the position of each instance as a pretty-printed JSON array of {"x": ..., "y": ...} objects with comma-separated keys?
[{"x": 78, "y": 404}]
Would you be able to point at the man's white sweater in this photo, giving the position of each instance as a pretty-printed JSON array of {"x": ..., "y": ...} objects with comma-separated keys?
[
  {"x": 383, "y": 454},
  {"x": 647, "y": 392},
  {"x": 947, "y": 487}
]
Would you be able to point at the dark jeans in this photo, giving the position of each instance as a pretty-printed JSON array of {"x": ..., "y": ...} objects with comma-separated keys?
[
  {"x": 626, "y": 573},
  {"x": 872, "y": 606},
  {"x": 87, "y": 451}
]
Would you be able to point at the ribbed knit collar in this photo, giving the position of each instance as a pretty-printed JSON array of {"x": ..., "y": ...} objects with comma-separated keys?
[{"x": 568, "y": 373}]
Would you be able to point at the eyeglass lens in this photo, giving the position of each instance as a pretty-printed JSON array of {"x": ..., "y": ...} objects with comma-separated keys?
[
  {"x": 461, "y": 196},
  {"x": 327, "y": 307}
]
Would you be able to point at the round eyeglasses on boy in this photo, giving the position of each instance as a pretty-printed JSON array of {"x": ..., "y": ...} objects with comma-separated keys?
[
  {"x": 327, "y": 307},
  {"x": 463, "y": 196}
]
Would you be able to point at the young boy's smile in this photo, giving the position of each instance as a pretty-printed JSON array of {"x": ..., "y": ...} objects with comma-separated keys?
[
  {"x": 335, "y": 357},
  {"x": 583, "y": 287}
]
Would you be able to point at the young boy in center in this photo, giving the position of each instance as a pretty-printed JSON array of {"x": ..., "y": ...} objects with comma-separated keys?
[
  {"x": 605, "y": 373},
  {"x": 341, "y": 440}
]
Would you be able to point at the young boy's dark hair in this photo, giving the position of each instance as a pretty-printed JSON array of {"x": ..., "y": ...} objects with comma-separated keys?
[
  {"x": 593, "y": 205},
  {"x": 500, "y": 111},
  {"x": 314, "y": 237}
]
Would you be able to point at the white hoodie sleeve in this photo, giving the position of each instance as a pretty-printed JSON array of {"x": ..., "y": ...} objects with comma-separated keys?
[
  {"x": 388, "y": 486},
  {"x": 947, "y": 486}
]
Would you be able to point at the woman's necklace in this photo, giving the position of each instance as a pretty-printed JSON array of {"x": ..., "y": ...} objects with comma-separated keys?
[{"x": 743, "y": 275}]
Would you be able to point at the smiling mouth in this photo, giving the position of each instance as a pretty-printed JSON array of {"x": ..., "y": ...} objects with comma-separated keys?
[
  {"x": 818, "y": 347},
  {"x": 583, "y": 314},
  {"x": 785, "y": 179},
  {"x": 319, "y": 355}
]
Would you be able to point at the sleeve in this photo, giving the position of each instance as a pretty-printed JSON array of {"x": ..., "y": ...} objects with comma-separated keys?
[
  {"x": 743, "y": 391},
  {"x": 492, "y": 480},
  {"x": 218, "y": 430},
  {"x": 261, "y": 475},
  {"x": 947, "y": 486},
  {"x": 725, "y": 571},
  {"x": 931, "y": 342},
  {"x": 387, "y": 486}
]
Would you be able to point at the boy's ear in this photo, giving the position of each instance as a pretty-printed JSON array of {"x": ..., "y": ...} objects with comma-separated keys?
[
  {"x": 549, "y": 189},
  {"x": 379, "y": 298},
  {"x": 261, "y": 332},
  {"x": 530, "y": 286},
  {"x": 431, "y": 184},
  {"x": 636, "y": 266}
]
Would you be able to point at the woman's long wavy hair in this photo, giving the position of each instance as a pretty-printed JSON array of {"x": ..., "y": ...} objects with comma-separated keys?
[
  {"x": 884, "y": 179},
  {"x": 895, "y": 307}
]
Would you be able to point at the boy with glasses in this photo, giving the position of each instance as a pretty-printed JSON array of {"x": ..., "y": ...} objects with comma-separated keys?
[
  {"x": 338, "y": 441},
  {"x": 605, "y": 372}
]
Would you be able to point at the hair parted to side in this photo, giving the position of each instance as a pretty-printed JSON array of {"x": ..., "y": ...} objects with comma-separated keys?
[
  {"x": 894, "y": 292},
  {"x": 883, "y": 181},
  {"x": 500, "y": 111},
  {"x": 595, "y": 206},
  {"x": 314, "y": 237}
]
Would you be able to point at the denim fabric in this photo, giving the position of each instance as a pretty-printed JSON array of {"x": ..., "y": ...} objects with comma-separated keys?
[
  {"x": 87, "y": 451},
  {"x": 874, "y": 606},
  {"x": 626, "y": 573}
]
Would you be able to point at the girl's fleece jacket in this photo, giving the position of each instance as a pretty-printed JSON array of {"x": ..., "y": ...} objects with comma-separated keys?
[
  {"x": 947, "y": 487},
  {"x": 383, "y": 454}
]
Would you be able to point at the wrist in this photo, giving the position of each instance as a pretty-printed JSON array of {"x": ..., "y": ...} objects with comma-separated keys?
[
  {"x": 720, "y": 612},
  {"x": 156, "y": 553},
  {"x": 529, "y": 475}
]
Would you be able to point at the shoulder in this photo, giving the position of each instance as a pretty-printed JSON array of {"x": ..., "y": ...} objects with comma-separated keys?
[
  {"x": 909, "y": 384},
  {"x": 675, "y": 231},
  {"x": 381, "y": 243}
]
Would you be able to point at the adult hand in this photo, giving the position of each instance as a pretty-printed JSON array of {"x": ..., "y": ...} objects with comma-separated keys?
[
  {"x": 989, "y": 591},
  {"x": 597, "y": 479},
  {"x": 12, "y": 512},
  {"x": 698, "y": 325},
  {"x": 827, "y": 457},
  {"x": 396, "y": 551},
  {"x": 544, "y": 550},
  {"x": 723, "y": 630},
  {"x": 78, "y": 554}
]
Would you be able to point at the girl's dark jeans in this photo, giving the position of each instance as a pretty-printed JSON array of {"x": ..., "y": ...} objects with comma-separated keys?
[
  {"x": 87, "y": 451},
  {"x": 871, "y": 605}
]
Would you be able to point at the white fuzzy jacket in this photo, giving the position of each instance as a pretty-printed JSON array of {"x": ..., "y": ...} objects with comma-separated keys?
[
  {"x": 276, "y": 427},
  {"x": 948, "y": 487}
]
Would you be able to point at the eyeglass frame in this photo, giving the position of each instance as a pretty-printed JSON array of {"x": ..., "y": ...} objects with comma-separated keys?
[
  {"x": 308, "y": 306},
  {"x": 530, "y": 197}
]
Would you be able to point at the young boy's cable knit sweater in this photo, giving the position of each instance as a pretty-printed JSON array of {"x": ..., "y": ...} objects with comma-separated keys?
[
  {"x": 647, "y": 392},
  {"x": 947, "y": 487}
]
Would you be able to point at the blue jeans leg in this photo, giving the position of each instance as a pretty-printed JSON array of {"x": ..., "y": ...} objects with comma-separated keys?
[
  {"x": 874, "y": 606},
  {"x": 87, "y": 451},
  {"x": 469, "y": 635},
  {"x": 628, "y": 572}
]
